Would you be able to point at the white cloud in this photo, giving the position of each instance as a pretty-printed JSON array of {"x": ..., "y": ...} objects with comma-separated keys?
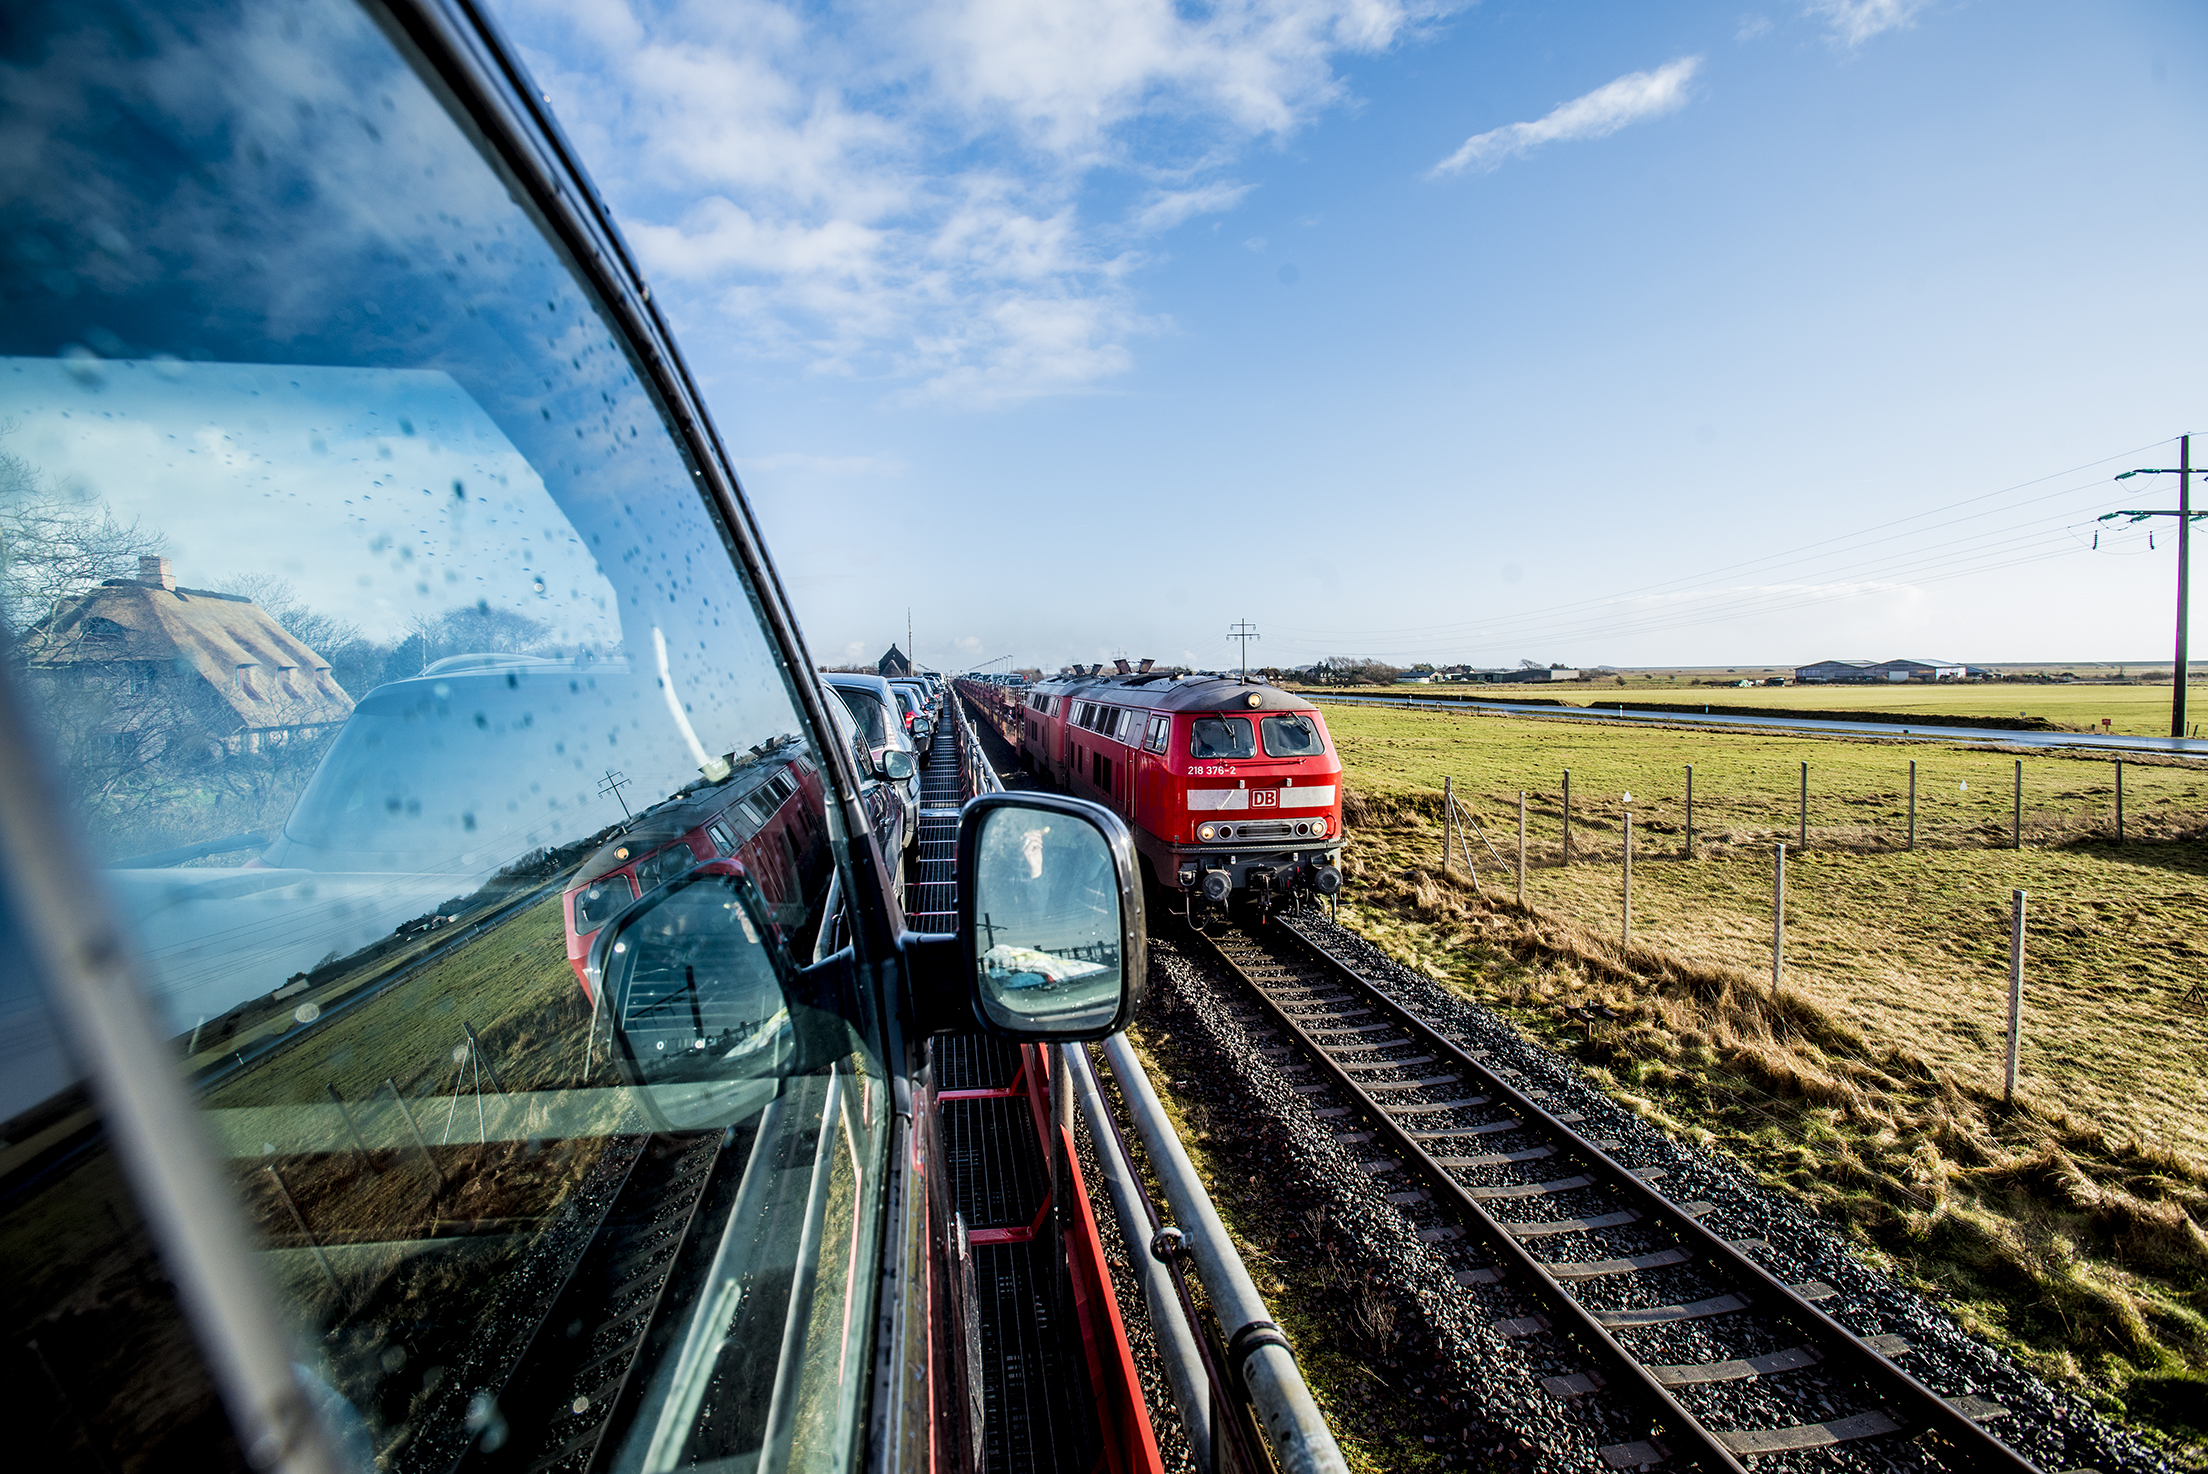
[
  {"x": 1633, "y": 98},
  {"x": 1853, "y": 22},
  {"x": 1064, "y": 74},
  {"x": 1753, "y": 27},
  {"x": 1167, "y": 208},
  {"x": 908, "y": 192}
]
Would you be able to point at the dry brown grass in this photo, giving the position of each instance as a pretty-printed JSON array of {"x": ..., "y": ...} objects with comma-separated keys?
[{"x": 2066, "y": 1227}]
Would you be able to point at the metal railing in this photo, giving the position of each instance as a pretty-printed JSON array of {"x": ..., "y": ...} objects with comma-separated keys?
[
  {"x": 1240, "y": 1394},
  {"x": 1234, "y": 1380},
  {"x": 977, "y": 775}
]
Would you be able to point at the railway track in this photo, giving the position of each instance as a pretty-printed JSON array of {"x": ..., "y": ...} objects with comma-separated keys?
[{"x": 1620, "y": 1277}]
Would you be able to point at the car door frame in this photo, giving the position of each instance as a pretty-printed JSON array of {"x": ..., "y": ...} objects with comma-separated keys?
[{"x": 88, "y": 969}]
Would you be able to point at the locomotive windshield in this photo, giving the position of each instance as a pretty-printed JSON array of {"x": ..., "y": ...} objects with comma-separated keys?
[
  {"x": 596, "y": 903},
  {"x": 1291, "y": 734},
  {"x": 1221, "y": 737}
]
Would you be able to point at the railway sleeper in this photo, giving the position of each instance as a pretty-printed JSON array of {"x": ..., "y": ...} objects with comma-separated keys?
[
  {"x": 1664, "y": 1315},
  {"x": 1485, "y": 1128},
  {"x": 1447, "y": 1105},
  {"x": 1530, "y": 1189},
  {"x": 1499, "y": 1159},
  {"x": 1330, "y": 1017}
]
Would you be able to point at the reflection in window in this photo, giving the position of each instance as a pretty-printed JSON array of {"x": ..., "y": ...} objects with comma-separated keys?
[
  {"x": 596, "y": 903},
  {"x": 1049, "y": 916},
  {"x": 867, "y": 712},
  {"x": 694, "y": 993},
  {"x": 1221, "y": 737},
  {"x": 365, "y": 597},
  {"x": 1290, "y": 734}
]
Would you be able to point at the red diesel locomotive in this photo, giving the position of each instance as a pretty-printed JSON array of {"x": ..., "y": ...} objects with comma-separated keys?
[
  {"x": 1232, "y": 787},
  {"x": 764, "y": 815}
]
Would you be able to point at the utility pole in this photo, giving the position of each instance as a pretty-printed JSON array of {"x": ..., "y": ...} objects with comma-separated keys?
[
  {"x": 1244, "y": 631},
  {"x": 2184, "y": 514}
]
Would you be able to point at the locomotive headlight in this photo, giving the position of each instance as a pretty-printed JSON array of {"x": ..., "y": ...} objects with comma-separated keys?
[
  {"x": 1207, "y": 832},
  {"x": 1254, "y": 699},
  {"x": 1318, "y": 826}
]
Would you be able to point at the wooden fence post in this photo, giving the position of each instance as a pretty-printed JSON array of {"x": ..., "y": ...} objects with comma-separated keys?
[
  {"x": 1627, "y": 933},
  {"x": 2016, "y": 992},
  {"x": 1778, "y": 915},
  {"x": 2016, "y": 818},
  {"x": 1521, "y": 847},
  {"x": 1690, "y": 811},
  {"x": 1912, "y": 803},
  {"x": 2119, "y": 800},
  {"x": 1448, "y": 820},
  {"x": 1802, "y": 839},
  {"x": 1567, "y": 816}
]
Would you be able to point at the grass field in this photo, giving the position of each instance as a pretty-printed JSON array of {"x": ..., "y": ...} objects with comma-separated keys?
[
  {"x": 2136, "y": 710},
  {"x": 2068, "y": 1227},
  {"x": 512, "y": 984}
]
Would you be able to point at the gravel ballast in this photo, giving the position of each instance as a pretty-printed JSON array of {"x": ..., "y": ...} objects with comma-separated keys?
[{"x": 1485, "y": 1385}]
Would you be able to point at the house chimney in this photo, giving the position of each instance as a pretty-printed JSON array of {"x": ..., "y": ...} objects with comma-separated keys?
[
  {"x": 155, "y": 570},
  {"x": 1121, "y": 666},
  {"x": 1144, "y": 668}
]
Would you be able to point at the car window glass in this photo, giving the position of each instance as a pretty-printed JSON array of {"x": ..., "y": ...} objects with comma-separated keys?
[
  {"x": 1220, "y": 737},
  {"x": 854, "y": 740},
  {"x": 370, "y": 608},
  {"x": 866, "y": 710},
  {"x": 1290, "y": 734}
]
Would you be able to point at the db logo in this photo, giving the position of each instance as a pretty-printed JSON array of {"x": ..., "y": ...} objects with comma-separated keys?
[{"x": 1264, "y": 798}]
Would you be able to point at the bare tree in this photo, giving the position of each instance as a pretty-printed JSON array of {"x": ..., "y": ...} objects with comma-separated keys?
[
  {"x": 319, "y": 632},
  {"x": 52, "y": 547},
  {"x": 1356, "y": 670}
]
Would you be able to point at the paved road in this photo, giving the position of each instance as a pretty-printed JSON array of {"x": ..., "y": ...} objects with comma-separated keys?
[{"x": 2186, "y": 746}]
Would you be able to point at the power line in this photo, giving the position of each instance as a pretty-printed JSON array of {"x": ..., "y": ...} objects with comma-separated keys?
[
  {"x": 1369, "y": 636},
  {"x": 1926, "y": 567},
  {"x": 1244, "y": 631}
]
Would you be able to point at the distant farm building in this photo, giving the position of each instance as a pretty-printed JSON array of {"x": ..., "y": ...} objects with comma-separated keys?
[
  {"x": 165, "y": 665},
  {"x": 1837, "y": 670},
  {"x": 1870, "y": 672},
  {"x": 1900, "y": 669},
  {"x": 893, "y": 664}
]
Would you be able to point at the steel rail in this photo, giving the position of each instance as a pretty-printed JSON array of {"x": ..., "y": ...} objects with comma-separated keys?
[{"x": 1926, "y": 1408}]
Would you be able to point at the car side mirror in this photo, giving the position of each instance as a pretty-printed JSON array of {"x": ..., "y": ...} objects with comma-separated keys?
[
  {"x": 1051, "y": 943},
  {"x": 896, "y": 764},
  {"x": 700, "y": 1004}
]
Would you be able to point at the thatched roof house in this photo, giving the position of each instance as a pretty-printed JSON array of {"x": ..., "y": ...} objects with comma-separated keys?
[{"x": 163, "y": 657}]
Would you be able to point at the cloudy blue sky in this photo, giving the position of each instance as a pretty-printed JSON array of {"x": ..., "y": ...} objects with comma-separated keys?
[{"x": 1627, "y": 333}]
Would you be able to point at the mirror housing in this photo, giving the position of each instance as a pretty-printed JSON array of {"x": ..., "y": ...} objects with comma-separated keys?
[
  {"x": 698, "y": 1001},
  {"x": 1052, "y": 944},
  {"x": 896, "y": 764}
]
